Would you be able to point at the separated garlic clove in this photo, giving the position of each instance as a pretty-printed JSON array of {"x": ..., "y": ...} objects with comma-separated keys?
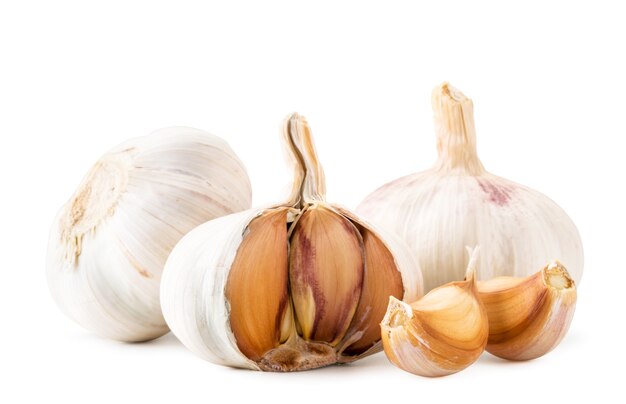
[
  {"x": 109, "y": 243},
  {"x": 528, "y": 317},
  {"x": 290, "y": 287},
  {"x": 456, "y": 203},
  {"x": 442, "y": 333}
]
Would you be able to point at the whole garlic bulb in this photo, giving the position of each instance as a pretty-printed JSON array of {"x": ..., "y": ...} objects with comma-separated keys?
[
  {"x": 290, "y": 287},
  {"x": 457, "y": 203},
  {"x": 110, "y": 241}
]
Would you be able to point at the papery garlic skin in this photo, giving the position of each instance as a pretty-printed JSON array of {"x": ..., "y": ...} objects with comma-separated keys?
[
  {"x": 440, "y": 334},
  {"x": 457, "y": 203},
  {"x": 193, "y": 301},
  {"x": 234, "y": 303},
  {"x": 528, "y": 317},
  {"x": 109, "y": 243}
]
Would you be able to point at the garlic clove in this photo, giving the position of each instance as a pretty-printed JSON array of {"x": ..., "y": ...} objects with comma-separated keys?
[
  {"x": 259, "y": 298},
  {"x": 326, "y": 273},
  {"x": 440, "y": 334},
  {"x": 528, "y": 317},
  {"x": 381, "y": 279}
]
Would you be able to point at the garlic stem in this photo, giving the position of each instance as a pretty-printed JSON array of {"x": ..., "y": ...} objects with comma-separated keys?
[
  {"x": 456, "y": 135},
  {"x": 309, "y": 181}
]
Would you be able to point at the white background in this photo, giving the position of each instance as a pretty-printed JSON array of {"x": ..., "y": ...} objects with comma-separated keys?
[{"x": 76, "y": 78}]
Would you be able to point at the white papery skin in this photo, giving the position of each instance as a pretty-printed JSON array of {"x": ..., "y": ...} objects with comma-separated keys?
[
  {"x": 195, "y": 278},
  {"x": 457, "y": 203},
  {"x": 109, "y": 242},
  {"x": 192, "y": 289}
]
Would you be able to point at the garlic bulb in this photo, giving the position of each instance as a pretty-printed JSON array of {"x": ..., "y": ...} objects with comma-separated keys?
[
  {"x": 528, "y": 317},
  {"x": 457, "y": 203},
  {"x": 110, "y": 241},
  {"x": 289, "y": 287},
  {"x": 440, "y": 334}
]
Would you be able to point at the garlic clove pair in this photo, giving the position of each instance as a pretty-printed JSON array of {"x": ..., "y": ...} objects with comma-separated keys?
[
  {"x": 512, "y": 318},
  {"x": 442, "y": 333},
  {"x": 290, "y": 287},
  {"x": 528, "y": 317}
]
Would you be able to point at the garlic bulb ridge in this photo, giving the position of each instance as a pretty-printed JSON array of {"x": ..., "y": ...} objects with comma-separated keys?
[
  {"x": 456, "y": 203},
  {"x": 109, "y": 242},
  {"x": 293, "y": 286}
]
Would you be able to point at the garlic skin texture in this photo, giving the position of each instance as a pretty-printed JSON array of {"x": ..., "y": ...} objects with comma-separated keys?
[
  {"x": 457, "y": 203},
  {"x": 528, "y": 317},
  {"x": 289, "y": 287},
  {"x": 442, "y": 333},
  {"x": 109, "y": 243}
]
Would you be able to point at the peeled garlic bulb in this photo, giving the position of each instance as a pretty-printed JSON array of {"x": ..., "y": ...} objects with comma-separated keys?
[
  {"x": 290, "y": 287},
  {"x": 110, "y": 241},
  {"x": 442, "y": 333},
  {"x": 457, "y": 203},
  {"x": 528, "y": 317}
]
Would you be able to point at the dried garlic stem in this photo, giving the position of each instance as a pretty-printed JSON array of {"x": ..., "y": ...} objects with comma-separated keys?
[{"x": 456, "y": 135}]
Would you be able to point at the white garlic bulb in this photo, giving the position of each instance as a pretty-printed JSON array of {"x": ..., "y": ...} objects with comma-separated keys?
[
  {"x": 290, "y": 287},
  {"x": 457, "y": 203},
  {"x": 110, "y": 241}
]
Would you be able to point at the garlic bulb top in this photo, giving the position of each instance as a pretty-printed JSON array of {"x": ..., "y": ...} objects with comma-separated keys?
[
  {"x": 457, "y": 203},
  {"x": 110, "y": 241},
  {"x": 295, "y": 286}
]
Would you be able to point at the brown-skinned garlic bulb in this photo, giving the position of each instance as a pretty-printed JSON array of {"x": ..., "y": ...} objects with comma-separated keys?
[
  {"x": 457, "y": 203},
  {"x": 289, "y": 287},
  {"x": 528, "y": 317},
  {"x": 440, "y": 334},
  {"x": 110, "y": 241}
]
